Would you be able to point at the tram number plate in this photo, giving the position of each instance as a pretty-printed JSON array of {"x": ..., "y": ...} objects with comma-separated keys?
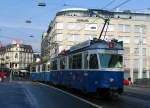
[{"x": 111, "y": 51}]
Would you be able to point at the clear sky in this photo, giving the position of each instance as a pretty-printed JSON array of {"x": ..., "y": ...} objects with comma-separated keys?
[{"x": 14, "y": 13}]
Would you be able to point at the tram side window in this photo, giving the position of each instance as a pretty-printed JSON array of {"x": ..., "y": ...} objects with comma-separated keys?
[
  {"x": 54, "y": 65},
  {"x": 70, "y": 62},
  {"x": 43, "y": 67},
  {"x": 93, "y": 63},
  {"x": 38, "y": 68},
  {"x": 33, "y": 69},
  {"x": 77, "y": 61},
  {"x": 62, "y": 63},
  {"x": 49, "y": 67},
  {"x": 86, "y": 61}
]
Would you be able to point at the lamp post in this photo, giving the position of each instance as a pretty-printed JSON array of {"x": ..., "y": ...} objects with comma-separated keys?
[{"x": 140, "y": 74}]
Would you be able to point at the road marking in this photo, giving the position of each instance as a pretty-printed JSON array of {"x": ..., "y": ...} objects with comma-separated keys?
[
  {"x": 79, "y": 98},
  {"x": 30, "y": 97}
]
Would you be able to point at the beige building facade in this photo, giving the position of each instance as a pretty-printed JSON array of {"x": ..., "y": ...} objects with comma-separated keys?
[
  {"x": 16, "y": 56},
  {"x": 72, "y": 26}
]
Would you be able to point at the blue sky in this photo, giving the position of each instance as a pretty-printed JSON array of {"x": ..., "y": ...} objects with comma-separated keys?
[{"x": 14, "y": 13}]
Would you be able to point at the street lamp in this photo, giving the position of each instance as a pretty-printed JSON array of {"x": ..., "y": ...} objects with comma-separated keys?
[{"x": 42, "y": 4}]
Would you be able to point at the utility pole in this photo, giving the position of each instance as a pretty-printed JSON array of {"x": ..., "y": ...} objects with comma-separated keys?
[
  {"x": 131, "y": 70},
  {"x": 140, "y": 73},
  {"x": 10, "y": 76}
]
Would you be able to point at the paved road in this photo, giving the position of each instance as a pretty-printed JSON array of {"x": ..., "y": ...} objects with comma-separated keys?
[
  {"x": 133, "y": 97},
  {"x": 35, "y": 95}
]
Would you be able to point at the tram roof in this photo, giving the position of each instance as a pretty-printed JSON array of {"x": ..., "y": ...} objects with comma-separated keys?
[
  {"x": 94, "y": 44},
  {"x": 97, "y": 44}
]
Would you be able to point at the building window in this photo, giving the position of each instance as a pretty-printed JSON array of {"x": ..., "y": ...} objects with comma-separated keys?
[
  {"x": 124, "y": 28},
  {"x": 123, "y": 16},
  {"x": 110, "y": 28},
  {"x": 79, "y": 38},
  {"x": 144, "y": 51},
  {"x": 125, "y": 39},
  {"x": 126, "y": 50},
  {"x": 73, "y": 38},
  {"x": 120, "y": 27},
  {"x": 137, "y": 40},
  {"x": 59, "y": 25},
  {"x": 137, "y": 28},
  {"x": 59, "y": 37},
  {"x": 140, "y": 18},
  {"x": 92, "y": 27},
  {"x": 140, "y": 28},
  {"x": 107, "y": 37},
  {"x": 126, "y": 63},
  {"x": 136, "y": 51},
  {"x": 136, "y": 63},
  {"x": 73, "y": 26},
  {"x": 88, "y": 37},
  {"x": 68, "y": 37},
  {"x": 144, "y": 63}
]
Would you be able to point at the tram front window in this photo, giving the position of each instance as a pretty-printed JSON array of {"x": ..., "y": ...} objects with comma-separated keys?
[{"x": 111, "y": 60}]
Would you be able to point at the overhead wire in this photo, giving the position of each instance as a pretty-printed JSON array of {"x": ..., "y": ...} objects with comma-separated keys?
[
  {"x": 126, "y": 1},
  {"x": 108, "y": 4},
  {"x": 96, "y": 18}
]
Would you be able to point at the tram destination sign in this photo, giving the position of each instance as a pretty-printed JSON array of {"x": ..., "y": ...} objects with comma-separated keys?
[{"x": 113, "y": 51}]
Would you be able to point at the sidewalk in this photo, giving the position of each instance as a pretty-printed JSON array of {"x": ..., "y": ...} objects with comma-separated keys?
[{"x": 138, "y": 85}]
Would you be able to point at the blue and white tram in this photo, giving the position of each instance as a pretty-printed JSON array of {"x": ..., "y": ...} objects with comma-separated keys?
[{"x": 92, "y": 66}]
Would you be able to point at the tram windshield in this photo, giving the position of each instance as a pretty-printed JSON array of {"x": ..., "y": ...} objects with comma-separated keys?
[{"x": 111, "y": 60}]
